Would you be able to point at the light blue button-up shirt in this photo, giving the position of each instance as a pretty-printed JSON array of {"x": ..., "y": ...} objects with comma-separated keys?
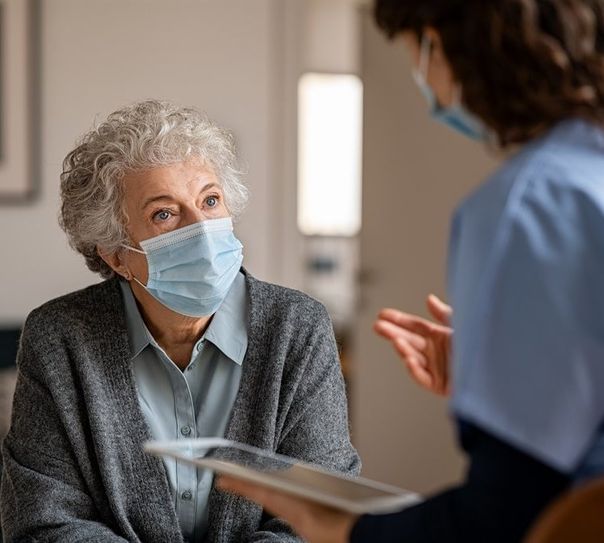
[
  {"x": 194, "y": 403},
  {"x": 526, "y": 279}
]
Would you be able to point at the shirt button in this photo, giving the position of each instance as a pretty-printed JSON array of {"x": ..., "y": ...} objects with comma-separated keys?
[
  {"x": 199, "y": 347},
  {"x": 185, "y": 430},
  {"x": 187, "y": 495}
]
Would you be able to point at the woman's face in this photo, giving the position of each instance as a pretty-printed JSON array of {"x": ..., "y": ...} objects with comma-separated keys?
[{"x": 166, "y": 198}]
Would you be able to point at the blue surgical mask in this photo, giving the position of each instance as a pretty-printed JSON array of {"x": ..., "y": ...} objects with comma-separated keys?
[
  {"x": 192, "y": 269},
  {"x": 455, "y": 116}
]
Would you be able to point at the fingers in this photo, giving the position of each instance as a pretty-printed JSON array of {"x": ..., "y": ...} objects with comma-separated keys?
[
  {"x": 423, "y": 345},
  {"x": 409, "y": 322},
  {"x": 412, "y": 323},
  {"x": 439, "y": 310},
  {"x": 408, "y": 353},
  {"x": 391, "y": 331},
  {"x": 410, "y": 347},
  {"x": 418, "y": 371},
  {"x": 414, "y": 360}
]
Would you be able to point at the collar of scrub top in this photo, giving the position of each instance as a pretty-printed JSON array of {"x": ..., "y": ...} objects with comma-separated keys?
[{"x": 227, "y": 330}]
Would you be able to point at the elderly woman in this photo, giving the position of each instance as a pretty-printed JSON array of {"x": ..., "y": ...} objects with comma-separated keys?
[{"x": 179, "y": 341}]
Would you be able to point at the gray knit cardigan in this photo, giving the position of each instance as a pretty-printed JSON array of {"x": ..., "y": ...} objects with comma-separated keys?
[{"x": 74, "y": 468}]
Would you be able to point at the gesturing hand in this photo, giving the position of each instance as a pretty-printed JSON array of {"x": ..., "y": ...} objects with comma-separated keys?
[{"x": 424, "y": 346}]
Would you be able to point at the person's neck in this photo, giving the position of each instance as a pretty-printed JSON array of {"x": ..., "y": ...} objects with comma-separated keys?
[{"x": 176, "y": 334}]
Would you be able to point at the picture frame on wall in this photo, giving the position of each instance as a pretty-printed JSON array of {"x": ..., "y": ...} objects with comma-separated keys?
[{"x": 19, "y": 101}]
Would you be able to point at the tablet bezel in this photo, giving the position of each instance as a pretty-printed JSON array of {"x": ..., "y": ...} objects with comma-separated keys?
[{"x": 176, "y": 449}]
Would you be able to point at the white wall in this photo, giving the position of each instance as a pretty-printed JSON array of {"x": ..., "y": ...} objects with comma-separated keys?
[
  {"x": 223, "y": 56},
  {"x": 332, "y": 38}
]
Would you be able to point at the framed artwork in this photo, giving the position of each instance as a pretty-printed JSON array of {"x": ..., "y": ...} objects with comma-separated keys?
[{"x": 19, "y": 101}]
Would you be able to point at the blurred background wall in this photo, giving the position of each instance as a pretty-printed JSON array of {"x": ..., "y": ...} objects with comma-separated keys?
[{"x": 241, "y": 61}]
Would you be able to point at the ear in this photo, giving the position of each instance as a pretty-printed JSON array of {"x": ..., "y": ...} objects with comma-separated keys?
[
  {"x": 438, "y": 57},
  {"x": 443, "y": 79},
  {"x": 434, "y": 36},
  {"x": 114, "y": 261}
]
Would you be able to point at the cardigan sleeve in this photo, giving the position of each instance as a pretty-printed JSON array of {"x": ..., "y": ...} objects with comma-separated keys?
[
  {"x": 43, "y": 496},
  {"x": 316, "y": 427}
]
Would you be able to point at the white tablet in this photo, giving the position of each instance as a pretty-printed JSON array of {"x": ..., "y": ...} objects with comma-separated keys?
[{"x": 288, "y": 475}]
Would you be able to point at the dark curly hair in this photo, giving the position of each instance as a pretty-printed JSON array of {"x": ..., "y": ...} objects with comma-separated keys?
[{"x": 523, "y": 65}]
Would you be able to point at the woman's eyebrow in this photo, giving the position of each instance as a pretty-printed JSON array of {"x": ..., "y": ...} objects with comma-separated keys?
[
  {"x": 155, "y": 199},
  {"x": 209, "y": 186}
]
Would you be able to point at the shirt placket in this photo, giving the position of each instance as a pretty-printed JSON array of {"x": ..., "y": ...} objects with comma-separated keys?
[{"x": 186, "y": 475}]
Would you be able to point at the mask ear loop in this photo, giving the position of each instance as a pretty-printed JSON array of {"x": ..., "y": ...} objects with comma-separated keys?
[
  {"x": 424, "y": 64},
  {"x": 139, "y": 251},
  {"x": 424, "y": 56},
  {"x": 135, "y": 279},
  {"x": 131, "y": 275}
]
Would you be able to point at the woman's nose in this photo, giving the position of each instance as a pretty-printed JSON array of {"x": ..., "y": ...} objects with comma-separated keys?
[{"x": 194, "y": 215}]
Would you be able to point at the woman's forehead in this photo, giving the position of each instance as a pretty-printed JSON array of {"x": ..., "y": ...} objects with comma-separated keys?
[{"x": 179, "y": 179}]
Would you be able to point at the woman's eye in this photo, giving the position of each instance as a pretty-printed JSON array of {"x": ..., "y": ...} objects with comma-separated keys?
[
  {"x": 212, "y": 201},
  {"x": 162, "y": 215}
]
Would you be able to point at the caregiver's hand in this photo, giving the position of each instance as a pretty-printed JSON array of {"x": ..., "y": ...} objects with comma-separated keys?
[
  {"x": 315, "y": 523},
  {"x": 424, "y": 346}
]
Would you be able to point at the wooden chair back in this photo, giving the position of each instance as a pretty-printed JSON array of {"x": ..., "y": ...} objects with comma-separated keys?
[{"x": 576, "y": 517}]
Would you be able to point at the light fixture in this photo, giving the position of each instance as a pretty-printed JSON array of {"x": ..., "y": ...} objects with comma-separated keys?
[{"x": 330, "y": 119}]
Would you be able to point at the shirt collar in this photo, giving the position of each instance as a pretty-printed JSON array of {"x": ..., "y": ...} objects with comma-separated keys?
[{"x": 227, "y": 329}]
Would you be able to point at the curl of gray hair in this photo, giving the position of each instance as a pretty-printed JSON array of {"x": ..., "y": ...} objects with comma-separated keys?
[{"x": 138, "y": 137}]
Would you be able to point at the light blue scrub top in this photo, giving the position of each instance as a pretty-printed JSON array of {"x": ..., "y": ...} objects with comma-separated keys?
[
  {"x": 526, "y": 280},
  {"x": 195, "y": 403}
]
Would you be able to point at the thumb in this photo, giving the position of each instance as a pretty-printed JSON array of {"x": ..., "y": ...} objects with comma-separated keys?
[{"x": 439, "y": 310}]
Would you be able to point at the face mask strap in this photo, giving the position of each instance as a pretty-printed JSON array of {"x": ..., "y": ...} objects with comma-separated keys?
[
  {"x": 136, "y": 251},
  {"x": 424, "y": 65},
  {"x": 424, "y": 56},
  {"x": 135, "y": 279},
  {"x": 139, "y": 251}
]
